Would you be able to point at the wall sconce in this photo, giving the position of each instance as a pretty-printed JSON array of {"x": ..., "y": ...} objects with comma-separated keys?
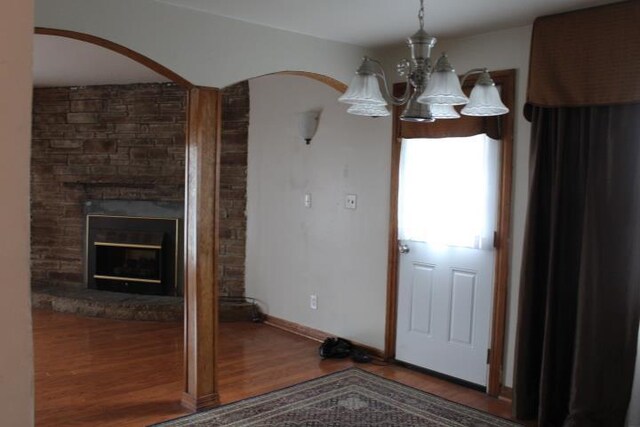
[{"x": 308, "y": 124}]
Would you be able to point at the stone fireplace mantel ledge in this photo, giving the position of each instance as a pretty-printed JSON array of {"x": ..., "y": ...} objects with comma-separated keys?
[{"x": 125, "y": 306}]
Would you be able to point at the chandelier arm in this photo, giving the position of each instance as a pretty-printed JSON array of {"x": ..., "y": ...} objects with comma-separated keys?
[
  {"x": 470, "y": 73},
  {"x": 385, "y": 86},
  {"x": 394, "y": 99}
]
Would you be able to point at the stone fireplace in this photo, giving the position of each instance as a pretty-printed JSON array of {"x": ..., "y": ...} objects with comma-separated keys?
[{"x": 118, "y": 150}]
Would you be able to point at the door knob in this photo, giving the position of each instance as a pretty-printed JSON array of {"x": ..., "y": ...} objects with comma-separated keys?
[{"x": 404, "y": 249}]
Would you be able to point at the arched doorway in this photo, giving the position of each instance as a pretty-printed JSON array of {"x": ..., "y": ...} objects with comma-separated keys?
[
  {"x": 202, "y": 204},
  {"x": 202, "y": 146}
]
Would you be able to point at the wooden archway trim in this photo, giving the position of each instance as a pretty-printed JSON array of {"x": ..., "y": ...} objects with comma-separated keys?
[
  {"x": 138, "y": 57},
  {"x": 505, "y": 79},
  {"x": 164, "y": 71},
  {"x": 201, "y": 220},
  {"x": 329, "y": 81}
]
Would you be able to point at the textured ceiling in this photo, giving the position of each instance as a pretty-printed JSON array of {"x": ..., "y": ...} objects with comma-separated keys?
[
  {"x": 376, "y": 23},
  {"x": 60, "y": 61}
]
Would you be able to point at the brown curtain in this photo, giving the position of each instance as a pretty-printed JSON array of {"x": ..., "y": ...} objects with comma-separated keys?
[{"x": 580, "y": 286}]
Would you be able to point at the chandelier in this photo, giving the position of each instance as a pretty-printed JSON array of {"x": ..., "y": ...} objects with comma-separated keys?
[{"x": 431, "y": 92}]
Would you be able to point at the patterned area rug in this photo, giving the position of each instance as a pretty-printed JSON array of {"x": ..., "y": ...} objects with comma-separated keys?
[{"x": 349, "y": 398}]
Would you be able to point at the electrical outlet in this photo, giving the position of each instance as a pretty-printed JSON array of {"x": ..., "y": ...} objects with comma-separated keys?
[
  {"x": 307, "y": 200},
  {"x": 313, "y": 302},
  {"x": 351, "y": 201}
]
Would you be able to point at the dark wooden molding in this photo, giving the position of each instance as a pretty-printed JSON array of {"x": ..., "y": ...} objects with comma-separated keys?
[
  {"x": 201, "y": 403},
  {"x": 201, "y": 252},
  {"x": 391, "y": 323},
  {"x": 506, "y": 393},
  {"x": 505, "y": 79},
  {"x": 296, "y": 328},
  {"x": 329, "y": 81},
  {"x": 144, "y": 60},
  {"x": 314, "y": 334},
  {"x": 161, "y": 69}
]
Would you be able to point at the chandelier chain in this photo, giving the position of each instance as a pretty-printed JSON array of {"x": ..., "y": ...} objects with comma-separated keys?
[{"x": 421, "y": 15}]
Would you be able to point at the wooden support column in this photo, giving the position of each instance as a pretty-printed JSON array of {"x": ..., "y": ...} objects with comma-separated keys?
[{"x": 201, "y": 251}]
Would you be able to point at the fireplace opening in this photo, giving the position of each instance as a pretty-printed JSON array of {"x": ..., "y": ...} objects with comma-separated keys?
[
  {"x": 135, "y": 257},
  {"x": 132, "y": 254}
]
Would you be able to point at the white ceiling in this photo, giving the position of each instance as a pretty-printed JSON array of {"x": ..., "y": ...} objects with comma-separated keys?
[
  {"x": 376, "y": 23},
  {"x": 60, "y": 61}
]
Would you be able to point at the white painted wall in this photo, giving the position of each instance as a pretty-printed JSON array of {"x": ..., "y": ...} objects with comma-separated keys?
[
  {"x": 205, "y": 49},
  {"x": 336, "y": 253},
  {"x": 61, "y": 61},
  {"x": 16, "y": 354},
  {"x": 497, "y": 51}
]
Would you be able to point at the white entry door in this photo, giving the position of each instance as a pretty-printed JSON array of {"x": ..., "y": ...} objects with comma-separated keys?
[{"x": 447, "y": 217}]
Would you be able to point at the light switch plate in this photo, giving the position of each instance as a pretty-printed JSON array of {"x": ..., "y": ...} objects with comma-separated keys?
[
  {"x": 307, "y": 200},
  {"x": 351, "y": 201}
]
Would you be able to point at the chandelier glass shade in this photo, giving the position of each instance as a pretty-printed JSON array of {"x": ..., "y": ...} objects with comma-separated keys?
[
  {"x": 444, "y": 86},
  {"x": 431, "y": 91},
  {"x": 441, "y": 111},
  {"x": 368, "y": 110},
  {"x": 484, "y": 99},
  {"x": 363, "y": 90}
]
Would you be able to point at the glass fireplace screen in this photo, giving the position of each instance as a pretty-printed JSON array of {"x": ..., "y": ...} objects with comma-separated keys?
[{"x": 141, "y": 263}]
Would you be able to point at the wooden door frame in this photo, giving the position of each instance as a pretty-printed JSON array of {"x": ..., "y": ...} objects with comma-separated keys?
[{"x": 506, "y": 80}]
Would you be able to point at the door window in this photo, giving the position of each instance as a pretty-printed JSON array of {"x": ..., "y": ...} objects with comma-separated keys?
[{"x": 448, "y": 191}]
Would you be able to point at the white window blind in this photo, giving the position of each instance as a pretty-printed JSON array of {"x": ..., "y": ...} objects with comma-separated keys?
[{"x": 448, "y": 191}]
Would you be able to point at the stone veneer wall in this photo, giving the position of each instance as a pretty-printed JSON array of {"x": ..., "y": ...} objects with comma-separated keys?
[
  {"x": 233, "y": 188},
  {"x": 123, "y": 142}
]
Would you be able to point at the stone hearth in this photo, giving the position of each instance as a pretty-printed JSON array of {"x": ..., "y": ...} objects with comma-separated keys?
[{"x": 121, "y": 306}]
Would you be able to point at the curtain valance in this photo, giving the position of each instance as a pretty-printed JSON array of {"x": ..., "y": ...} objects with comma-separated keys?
[{"x": 588, "y": 57}]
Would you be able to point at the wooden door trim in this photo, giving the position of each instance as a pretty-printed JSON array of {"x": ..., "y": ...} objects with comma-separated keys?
[
  {"x": 506, "y": 79},
  {"x": 391, "y": 322}
]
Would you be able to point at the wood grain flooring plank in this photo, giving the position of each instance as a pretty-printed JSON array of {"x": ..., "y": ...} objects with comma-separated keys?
[{"x": 101, "y": 372}]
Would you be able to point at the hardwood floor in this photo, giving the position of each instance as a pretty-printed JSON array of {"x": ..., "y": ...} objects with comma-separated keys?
[{"x": 103, "y": 372}]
